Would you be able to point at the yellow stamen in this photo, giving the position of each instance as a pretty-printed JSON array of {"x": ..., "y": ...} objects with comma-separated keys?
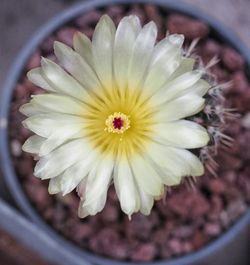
[{"x": 117, "y": 123}]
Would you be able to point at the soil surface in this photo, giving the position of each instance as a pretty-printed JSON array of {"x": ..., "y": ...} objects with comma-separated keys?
[{"x": 190, "y": 217}]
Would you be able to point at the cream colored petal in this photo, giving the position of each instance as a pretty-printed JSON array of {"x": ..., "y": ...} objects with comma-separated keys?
[
  {"x": 174, "y": 163},
  {"x": 165, "y": 60},
  {"x": 182, "y": 133},
  {"x": 59, "y": 137},
  {"x": 76, "y": 66},
  {"x": 146, "y": 177},
  {"x": 47, "y": 103},
  {"x": 141, "y": 56},
  {"x": 98, "y": 183},
  {"x": 61, "y": 81},
  {"x": 46, "y": 124},
  {"x": 30, "y": 109},
  {"x": 146, "y": 202},
  {"x": 33, "y": 144},
  {"x": 76, "y": 173},
  {"x": 62, "y": 158},
  {"x": 179, "y": 108},
  {"x": 174, "y": 88},
  {"x": 186, "y": 65},
  {"x": 200, "y": 88},
  {"x": 59, "y": 103},
  {"x": 54, "y": 185},
  {"x": 126, "y": 34},
  {"x": 82, "y": 210},
  {"x": 93, "y": 208},
  {"x": 36, "y": 77},
  {"x": 94, "y": 203},
  {"x": 102, "y": 48},
  {"x": 168, "y": 44},
  {"x": 125, "y": 187},
  {"x": 83, "y": 46}
]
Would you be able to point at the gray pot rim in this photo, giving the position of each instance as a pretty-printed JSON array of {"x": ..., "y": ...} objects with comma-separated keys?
[{"x": 219, "y": 30}]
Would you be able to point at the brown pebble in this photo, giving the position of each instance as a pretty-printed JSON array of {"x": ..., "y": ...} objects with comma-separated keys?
[
  {"x": 34, "y": 61},
  {"x": 21, "y": 92},
  {"x": 48, "y": 45},
  {"x": 211, "y": 49},
  {"x": 16, "y": 148},
  {"x": 88, "y": 19},
  {"x": 140, "y": 226},
  {"x": 25, "y": 166},
  {"x": 188, "y": 204},
  {"x": 217, "y": 186},
  {"x": 137, "y": 11},
  {"x": 66, "y": 35},
  {"x": 212, "y": 229},
  {"x": 229, "y": 162},
  {"x": 183, "y": 231},
  {"x": 232, "y": 60},
  {"x": 191, "y": 28},
  {"x": 39, "y": 195},
  {"x": 175, "y": 246},
  {"x": 235, "y": 209},
  {"x": 144, "y": 253},
  {"x": 110, "y": 213},
  {"x": 199, "y": 239},
  {"x": 81, "y": 231},
  {"x": 115, "y": 11},
  {"x": 240, "y": 83},
  {"x": 118, "y": 251}
]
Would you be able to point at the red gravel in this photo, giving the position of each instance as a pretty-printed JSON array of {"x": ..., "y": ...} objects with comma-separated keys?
[{"x": 190, "y": 218}]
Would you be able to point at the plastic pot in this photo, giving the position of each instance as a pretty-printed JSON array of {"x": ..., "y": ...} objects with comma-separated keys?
[{"x": 230, "y": 248}]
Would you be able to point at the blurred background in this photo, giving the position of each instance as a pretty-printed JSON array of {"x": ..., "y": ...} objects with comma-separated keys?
[{"x": 19, "y": 19}]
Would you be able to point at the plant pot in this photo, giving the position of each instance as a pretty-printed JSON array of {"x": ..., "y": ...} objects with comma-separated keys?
[{"x": 229, "y": 248}]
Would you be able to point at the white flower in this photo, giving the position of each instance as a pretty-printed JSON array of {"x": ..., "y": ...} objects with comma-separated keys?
[{"x": 116, "y": 113}]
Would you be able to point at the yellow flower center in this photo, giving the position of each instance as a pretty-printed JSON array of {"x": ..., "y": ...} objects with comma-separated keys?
[{"x": 117, "y": 123}]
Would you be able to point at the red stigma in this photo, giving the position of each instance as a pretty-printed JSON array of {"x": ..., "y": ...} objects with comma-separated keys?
[{"x": 118, "y": 123}]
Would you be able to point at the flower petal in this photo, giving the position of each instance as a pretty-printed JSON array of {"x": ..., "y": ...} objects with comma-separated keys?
[
  {"x": 83, "y": 46},
  {"x": 48, "y": 123},
  {"x": 54, "y": 185},
  {"x": 146, "y": 177},
  {"x": 182, "y": 133},
  {"x": 125, "y": 187},
  {"x": 186, "y": 65},
  {"x": 76, "y": 66},
  {"x": 102, "y": 47},
  {"x": 165, "y": 60},
  {"x": 125, "y": 37},
  {"x": 142, "y": 53},
  {"x": 174, "y": 88},
  {"x": 59, "y": 137},
  {"x": 98, "y": 184},
  {"x": 36, "y": 77},
  {"x": 146, "y": 202},
  {"x": 62, "y": 158},
  {"x": 94, "y": 203},
  {"x": 61, "y": 81},
  {"x": 59, "y": 103},
  {"x": 33, "y": 144},
  {"x": 76, "y": 173},
  {"x": 200, "y": 88},
  {"x": 30, "y": 109},
  {"x": 174, "y": 163},
  {"x": 181, "y": 107}
]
